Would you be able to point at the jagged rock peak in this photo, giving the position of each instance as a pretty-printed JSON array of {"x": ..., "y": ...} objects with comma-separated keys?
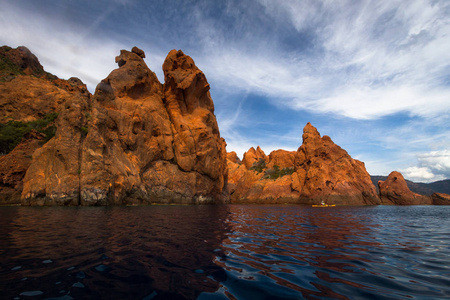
[
  {"x": 252, "y": 156},
  {"x": 318, "y": 171},
  {"x": 326, "y": 171},
  {"x": 309, "y": 128},
  {"x": 310, "y": 132},
  {"x": 165, "y": 147},
  {"x": 178, "y": 60},
  {"x": 132, "y": 79},
  {"x": 136, "y": 54},
  {"x": 185, "y": 83},
  {"x": 138, "y": 51},
  {"x": 233, "y": 157}
]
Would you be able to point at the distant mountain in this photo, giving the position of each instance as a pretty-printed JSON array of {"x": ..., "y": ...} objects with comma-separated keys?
[{"x": 442, "y": 186}]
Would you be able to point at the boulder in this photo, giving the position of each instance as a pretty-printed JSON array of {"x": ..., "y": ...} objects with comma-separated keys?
[
  {"x": 440, "y": 199},
  {"x": 394, "y": 190},
  {"x": 281, "y": 158}
]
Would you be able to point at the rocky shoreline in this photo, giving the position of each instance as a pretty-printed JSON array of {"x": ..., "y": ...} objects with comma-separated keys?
[{"x": 137, "y": 141}]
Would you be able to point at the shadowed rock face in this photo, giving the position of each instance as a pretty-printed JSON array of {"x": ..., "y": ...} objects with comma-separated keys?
[
  {"x": 319, "y": 171},
  {"x": 394, "y": 190},
  {"x": 19, "y": 61},
  {"x": 28, "y": 94},
  {"x": 14, "y": 165},
  {"x": 136, "y": 141}
]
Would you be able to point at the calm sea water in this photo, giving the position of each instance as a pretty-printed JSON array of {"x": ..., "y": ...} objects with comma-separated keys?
[{"x": 229, "y": 251}]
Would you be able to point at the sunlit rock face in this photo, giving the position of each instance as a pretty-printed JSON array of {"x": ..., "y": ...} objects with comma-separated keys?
[
  {"x": 135, "y": 141},
  {"x": 253, "y": 156},
  {"x": 440, "y": 199},
  {"x": 394, "y": 190},
  {"x": 318, "y": 171},
  {"x": 327, "y": 172}
]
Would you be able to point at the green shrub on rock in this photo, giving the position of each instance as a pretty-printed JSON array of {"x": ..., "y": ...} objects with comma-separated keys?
[
  {"x": 276, "y": 173},
  {"x": 12, "y": 132},
  {"x": 259, "y": 166}
]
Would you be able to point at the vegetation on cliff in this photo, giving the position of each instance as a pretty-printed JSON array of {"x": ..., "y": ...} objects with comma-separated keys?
[
  {"x": 137, "y": 141},
  {"x": 276, "y": 172},
  {"x": 8, "y": 68},
  {"x": 12, "y": 132},
  {"x": 271, "y": 173},
  {"x": 20, "y": 61}
]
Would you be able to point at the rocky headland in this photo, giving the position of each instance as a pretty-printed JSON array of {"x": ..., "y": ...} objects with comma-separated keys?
[
  {"x": 318, "y": 171},
  {"x": 138, "y": 141},
  {"x": 394, "y": 190},
  {"x": 135, "y": 141}
]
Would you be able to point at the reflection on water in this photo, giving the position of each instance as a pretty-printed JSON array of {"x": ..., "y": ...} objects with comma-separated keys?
[
  {"x": 219, "y": 252},
  {"x": 289, "y": 252},
  {"x": 161, "y": 252}
]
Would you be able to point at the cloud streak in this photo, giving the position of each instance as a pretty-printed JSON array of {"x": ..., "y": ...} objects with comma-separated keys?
[
  {"x": 368, "y": 61},
  {"x": 434, "y": 165},
  {"x": 373, "y": 74}
]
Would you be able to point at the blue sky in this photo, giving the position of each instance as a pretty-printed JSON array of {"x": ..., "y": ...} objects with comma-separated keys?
[{"x": 373, "y": 75}]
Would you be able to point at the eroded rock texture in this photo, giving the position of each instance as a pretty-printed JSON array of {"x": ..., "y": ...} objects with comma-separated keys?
[
  {"x": 14, "y": 165},
  {"x": 136, "y": 141},
  {"x": 318, "y": 171},
  {"x": 30, "y": 99}
]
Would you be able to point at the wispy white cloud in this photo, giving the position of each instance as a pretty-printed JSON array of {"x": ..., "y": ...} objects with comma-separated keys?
[
  {"x": 420, "y": 174},
  {"x": 369, "y": 60},
  {"x": 437, "y": 161},
  {"x": 372, "y": 60},
  {"x": 61, "y": 51},
  {"x": 66, "y": 52},
  {"x": 364, "y": 62}
]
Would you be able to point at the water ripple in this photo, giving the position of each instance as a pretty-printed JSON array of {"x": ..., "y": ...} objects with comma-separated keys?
[
  {"x": 340, "y": 253},
  {"x": 220, "y": 252}
]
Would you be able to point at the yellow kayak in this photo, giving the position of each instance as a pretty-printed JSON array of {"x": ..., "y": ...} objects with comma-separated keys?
[{"x": 325, "y": 205}]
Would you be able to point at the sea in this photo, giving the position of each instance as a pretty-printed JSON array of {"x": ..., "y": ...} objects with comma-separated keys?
[{"x": 225, "y": 252}]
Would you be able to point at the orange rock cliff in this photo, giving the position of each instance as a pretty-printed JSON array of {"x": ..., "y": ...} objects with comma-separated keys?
[
  {"x": 394, "y": 190},
  {"x": 318, "y": 171},
  {"x": 137, "y": 141}
]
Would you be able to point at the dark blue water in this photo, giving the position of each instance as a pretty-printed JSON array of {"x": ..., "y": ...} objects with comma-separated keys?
[{"x": 220, "y": 252}]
